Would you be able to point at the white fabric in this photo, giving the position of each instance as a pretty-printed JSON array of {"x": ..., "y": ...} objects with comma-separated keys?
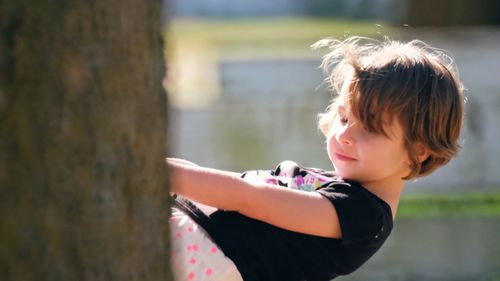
[{"x": 194, "y": 255}]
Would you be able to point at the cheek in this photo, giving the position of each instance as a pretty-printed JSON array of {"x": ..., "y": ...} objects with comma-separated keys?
[
  {"x": 381, "y": 150},
  {"x": 331, "y": 136},
  {"x": 397, "y": 154},
  {"x": 330, "y": 144}
]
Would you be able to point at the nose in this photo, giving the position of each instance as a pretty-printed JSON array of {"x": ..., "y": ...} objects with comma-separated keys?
[{"x": 344, "y": 135}]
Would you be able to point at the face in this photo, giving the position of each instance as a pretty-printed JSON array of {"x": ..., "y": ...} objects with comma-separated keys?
[{"x": 369, "y": 158}]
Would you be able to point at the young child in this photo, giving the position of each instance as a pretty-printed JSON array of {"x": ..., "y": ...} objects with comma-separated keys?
[{"x": 397, "y": 116}]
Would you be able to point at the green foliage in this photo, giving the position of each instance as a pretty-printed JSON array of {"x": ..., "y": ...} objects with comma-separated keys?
[
  {"x": 483, "y": 205},
  {"x": 276, "y": 37}
]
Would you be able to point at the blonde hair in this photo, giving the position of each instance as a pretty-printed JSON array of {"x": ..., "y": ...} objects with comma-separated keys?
[{"x": 411, "y": 82}]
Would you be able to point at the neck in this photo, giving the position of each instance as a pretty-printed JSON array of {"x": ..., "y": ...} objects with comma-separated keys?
[{"x": 390, "y": 192}]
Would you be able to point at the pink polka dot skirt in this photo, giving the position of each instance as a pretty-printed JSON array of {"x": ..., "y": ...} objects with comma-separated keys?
[{"x": 194, "y": 256}]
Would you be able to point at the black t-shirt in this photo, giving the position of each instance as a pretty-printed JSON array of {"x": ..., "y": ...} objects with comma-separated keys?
[{"x": 262, "y": 251}]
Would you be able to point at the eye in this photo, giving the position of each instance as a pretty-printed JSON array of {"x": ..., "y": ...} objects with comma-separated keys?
[{"x": 342, "y": 115}]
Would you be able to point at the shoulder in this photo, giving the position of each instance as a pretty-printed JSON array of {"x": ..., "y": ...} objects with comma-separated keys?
[{"x": 362, "y": 215}]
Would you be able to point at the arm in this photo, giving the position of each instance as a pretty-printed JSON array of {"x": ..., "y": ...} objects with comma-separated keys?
[
  {"x": 290, "y": 209},
  {"x": 180, "y": 161},
  {"x": 204, "y": 208}
]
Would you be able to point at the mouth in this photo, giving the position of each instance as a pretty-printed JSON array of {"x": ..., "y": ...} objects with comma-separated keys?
[{"x": 344, "y": 157}]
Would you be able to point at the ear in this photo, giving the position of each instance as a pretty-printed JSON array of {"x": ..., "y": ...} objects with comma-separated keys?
[{"x": 422, "y": 152}]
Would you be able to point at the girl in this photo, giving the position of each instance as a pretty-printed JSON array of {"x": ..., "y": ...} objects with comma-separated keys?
[{"x": 397, "y": 116}]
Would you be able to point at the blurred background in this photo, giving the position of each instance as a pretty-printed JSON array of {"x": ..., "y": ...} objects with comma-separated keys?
[{"x": 245, "y": 89}]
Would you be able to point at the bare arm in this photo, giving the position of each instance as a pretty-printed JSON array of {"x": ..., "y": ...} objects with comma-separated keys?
[
  {"x": 180, "y": 161},
  {"x": 295, "y": 210}
]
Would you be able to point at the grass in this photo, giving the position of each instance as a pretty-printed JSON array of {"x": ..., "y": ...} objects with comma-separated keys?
[{"x": 463, "y": 205}]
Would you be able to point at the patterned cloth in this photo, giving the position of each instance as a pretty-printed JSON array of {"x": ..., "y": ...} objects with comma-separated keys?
[
  {"x": 194, "y": 255},
  {"x": 289, "y": 174}
]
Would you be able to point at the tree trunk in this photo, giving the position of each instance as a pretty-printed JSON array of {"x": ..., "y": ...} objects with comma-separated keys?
[{"x": 83, "y": 186}]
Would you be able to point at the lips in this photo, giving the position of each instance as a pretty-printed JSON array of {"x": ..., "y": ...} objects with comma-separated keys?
[{"x": 344, "y": 157}]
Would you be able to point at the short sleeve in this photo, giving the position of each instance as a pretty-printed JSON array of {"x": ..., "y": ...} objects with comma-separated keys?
[{"x": 361, "y": 216}]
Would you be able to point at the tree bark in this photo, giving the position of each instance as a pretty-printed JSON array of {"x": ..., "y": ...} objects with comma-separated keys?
[{"x": 83, "y": 185}]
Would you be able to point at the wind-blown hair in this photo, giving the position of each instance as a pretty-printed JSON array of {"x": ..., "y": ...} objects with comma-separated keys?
[{"x": 413, "y": 83}]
